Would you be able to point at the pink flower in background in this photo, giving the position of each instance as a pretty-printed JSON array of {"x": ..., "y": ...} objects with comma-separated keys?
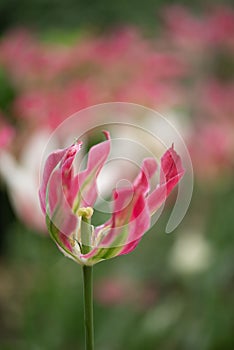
[
  {"x": 221, "y": 24},
  {"x": 123, "y": 290},
  {"x": 7, "y": 133},
  {"x": 212, "y": 150},
  {"x": 185, "y": 29},
  {"x": 53, "y": 81},
  {"x": 30, "y": 58},
  {"x": 66, "y": 196},
  {"x": 115, "y": 291},
  {"x": 49, "y": 108},
  {"x": 217, "y": 101},
  {"x": 212, "y": 29},
  {"x": 211, "y": 141}
]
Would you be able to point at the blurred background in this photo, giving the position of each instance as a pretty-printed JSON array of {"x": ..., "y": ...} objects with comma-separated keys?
[{"x": 174, "y": 292}]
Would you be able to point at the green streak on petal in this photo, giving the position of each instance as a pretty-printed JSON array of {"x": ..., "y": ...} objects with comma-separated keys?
[
  {"x": 85, "y": 183},
  {"x": 54, "y": 233}
]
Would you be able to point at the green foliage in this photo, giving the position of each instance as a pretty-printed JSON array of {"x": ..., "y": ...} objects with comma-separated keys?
[
  {"x": 7, "y": 92},
  {"x": 72, "y": 14}
]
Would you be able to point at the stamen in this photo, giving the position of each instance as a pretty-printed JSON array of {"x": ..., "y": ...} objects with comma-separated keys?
[{"x": 85, "y": 212}]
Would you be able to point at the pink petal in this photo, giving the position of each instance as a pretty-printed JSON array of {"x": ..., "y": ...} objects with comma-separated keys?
[
  {"x": 148, "y": 169},
  {"x": 58, "y": 209},
  {"x": 86, "y": 180},
  {"x": 139, "y": 224},
  {"x": 51, "y": 162},
  {"x": 140, "y": 210},
  {"x": 170, "y": 174},
  {"x": 62, "y": 158},
  {"x": 171, "y": 165},
  {"x": 131, "y": 216},
  {"x": 130, "y": 220},
  {"x": 69, "y": 182},
  {"x": 129, "y": 247}
]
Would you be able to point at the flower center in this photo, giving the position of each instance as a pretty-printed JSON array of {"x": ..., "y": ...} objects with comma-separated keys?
[{"x": 85, "y": 212}]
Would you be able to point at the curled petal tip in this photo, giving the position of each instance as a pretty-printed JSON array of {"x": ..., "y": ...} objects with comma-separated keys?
[{"x": 106, "y": 134}]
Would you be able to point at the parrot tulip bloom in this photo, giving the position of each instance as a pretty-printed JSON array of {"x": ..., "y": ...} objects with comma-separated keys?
[{"x": 67, "y": 199}]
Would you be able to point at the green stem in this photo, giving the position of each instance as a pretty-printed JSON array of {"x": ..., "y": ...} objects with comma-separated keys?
[
  {"x": 88, "y": 285},
  {"x": 88, "y": 306}
]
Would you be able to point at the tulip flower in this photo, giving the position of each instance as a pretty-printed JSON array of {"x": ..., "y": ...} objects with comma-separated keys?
[
  {"x": 67, "y": 197},
  {"x": 67, "y": 200}
]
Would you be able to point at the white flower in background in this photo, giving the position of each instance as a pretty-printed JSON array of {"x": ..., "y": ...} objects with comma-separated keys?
[
  {"x": 176, "y": 120},
  {"x": 22, "y": 179},
  {"x": 191, "y": 253}
]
